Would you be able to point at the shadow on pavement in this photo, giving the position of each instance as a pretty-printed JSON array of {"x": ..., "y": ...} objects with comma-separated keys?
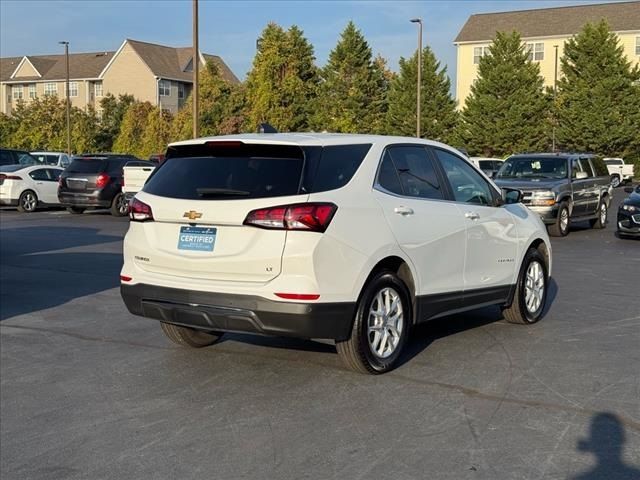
[
  {"x": 606, "y": 444},
  {"x": 36, "y": 275}
]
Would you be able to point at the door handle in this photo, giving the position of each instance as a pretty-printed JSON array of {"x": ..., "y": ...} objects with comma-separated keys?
[
  {"x": 472, "y": 215},
  {"x": 38, "y": 183},
  {"x": 403, "y": 210}
]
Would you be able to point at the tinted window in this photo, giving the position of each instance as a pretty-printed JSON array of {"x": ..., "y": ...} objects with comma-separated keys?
[
  {"x": 87, "y": 165},
  {"x": 6, "y": 158},
  {"x": 26, "y": 159},
  {"x": 599, "y": 167},
  {"x": 54, "y": 174},
  {"x": 64, "y": 161},
  {"x": 387, "y": 175},
  {"x": 486, "y": 165},
  {"x": 46, "y": 159},
  {"x": 613, "y": 162},
  {"x": 247, "y": 171},
  {"x": 575, "y": 167},
  {"x": 533, "y": 167},
  {"x": 337, "y": 166},
  {"x": 586, "y": 167},
  {"x": 467, "y": 184},
  {"x": 416, "y": 172},
  {"x": 40, "y": 174}
]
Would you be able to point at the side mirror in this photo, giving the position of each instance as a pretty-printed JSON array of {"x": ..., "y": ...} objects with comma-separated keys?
[
  {"x": 511, "y": 195},
  {"x": 581, "y": 175},
  {"x": 628, "y": 189}
]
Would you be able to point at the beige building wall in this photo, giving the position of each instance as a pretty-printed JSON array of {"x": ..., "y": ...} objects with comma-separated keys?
[
  {"x": 128, "y": 74},
  {"x": 467, "y": 71},
  {"x": 79, "y": 101},
  {"x": 26, "y": 70}
]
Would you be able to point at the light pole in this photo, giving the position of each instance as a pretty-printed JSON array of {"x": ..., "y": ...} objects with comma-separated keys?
[
  {"x": 555, "y": 89},
  {"x": 66, "y": 58},
  {"x": 419, "y": 83},
  {"x": 196, "y": 64}
]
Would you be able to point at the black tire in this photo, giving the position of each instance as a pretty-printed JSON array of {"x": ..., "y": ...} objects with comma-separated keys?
[
  {"x": 28, "y": 202},
  {"x": 518, "y": 312},
  {"x": 188, "y": 337},
  {"x": 561, "y": 228},
  {"x": 357, "y": 352},
  {"x": 119, "y": 206},
  {"x": 601, "y": 221},
  {"x": 75, "y": 210},
  {"x": 615, "y": 181}
]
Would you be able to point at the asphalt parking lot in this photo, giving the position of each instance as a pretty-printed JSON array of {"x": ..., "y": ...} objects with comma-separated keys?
[{"x": 88, "y": 391}]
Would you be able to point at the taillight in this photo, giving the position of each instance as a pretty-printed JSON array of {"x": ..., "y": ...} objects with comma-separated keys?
[
  {"x": 139, "y": 211},
  {"x": 60, "y": 181},
  {"x": 102, "y": 180},
  {"x": 4, "y": 177},
  {"x": 122, "y": 182},
  {"x": 314, "y": 217}
]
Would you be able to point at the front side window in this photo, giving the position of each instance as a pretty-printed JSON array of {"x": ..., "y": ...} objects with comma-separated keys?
[
  {"x": 414, "y": 171},
  {"x": 536, "y": 51},
  {"x": 164, "y": 88},
  {"x": 586, "y": 167},
  {"x": 51, "y": 88},
  {"x": 467, "y": 184},
  {"x": 97, "y": 87},
  {"x": 32, "y": 91},
  {"x": 17, "y": 92}
]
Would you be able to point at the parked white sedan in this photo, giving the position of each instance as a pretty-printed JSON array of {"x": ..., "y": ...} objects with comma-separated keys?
[{"x": 29, "y": 187}]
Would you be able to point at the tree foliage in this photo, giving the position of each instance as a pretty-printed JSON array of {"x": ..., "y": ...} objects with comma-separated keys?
[
  {"x": 507, "y": 110},
  {"x": 598, "y": 100},
  {"x": 438, "y": 115},
  {"x": 353, "y": 93},
  {"x": 283, "y": 82},
  {"x": 113, "y": 109},
  {"x": 134, "y": 123}
]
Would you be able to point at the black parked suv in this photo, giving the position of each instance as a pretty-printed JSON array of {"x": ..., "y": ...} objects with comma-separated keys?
[
  {"x": 560, "y": 187},
  {"x": 96, "y": 181}
]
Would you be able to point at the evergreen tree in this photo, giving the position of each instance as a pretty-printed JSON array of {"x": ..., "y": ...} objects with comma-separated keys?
[
  {"x": 283, "y": 81},
  {"x": 353, "y": 93},
  {"x": 507, "y": 110},
  {"x": 598, "y": 101},
  {"x": 437, "y": 110}
]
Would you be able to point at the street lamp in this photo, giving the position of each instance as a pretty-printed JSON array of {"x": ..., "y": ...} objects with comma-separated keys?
[
  {"x": 66, "y": 58},
  {"x": 196, "y": 64},
  {"x": 419, "y": 83},
  {"x": 555, "y": 89}
]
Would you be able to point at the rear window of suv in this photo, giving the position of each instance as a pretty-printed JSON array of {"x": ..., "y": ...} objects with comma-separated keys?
[
  {"x": 234, "y": 170},
  {"x": 87, "y": 165}
]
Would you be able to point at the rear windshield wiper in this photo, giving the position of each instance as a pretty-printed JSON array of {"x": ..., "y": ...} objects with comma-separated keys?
[{"x": 213, "y": 192}]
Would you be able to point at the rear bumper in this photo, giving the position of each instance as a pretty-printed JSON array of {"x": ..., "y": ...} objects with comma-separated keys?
[
  {"x": 239, "y": 313},
  {"x": 93, "y": 199},
  {"x": 8, "y": 202}
]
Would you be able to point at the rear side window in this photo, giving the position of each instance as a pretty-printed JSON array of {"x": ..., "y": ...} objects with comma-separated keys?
[
  {"x": 416, "y": 172},
  {"x": 337, "y": 166},
  {"x": 87, "y": 165},
  {"x": 613, "y": 162},
  {"x": 39, "y": 174},
  {"x": 230, "y": 172},
  {"x": 6, "y": 158},
  {"x": 599, "y": 167}
]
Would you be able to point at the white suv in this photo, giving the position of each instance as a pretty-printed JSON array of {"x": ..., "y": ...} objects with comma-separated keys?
[{"x": 351, "y": 238}]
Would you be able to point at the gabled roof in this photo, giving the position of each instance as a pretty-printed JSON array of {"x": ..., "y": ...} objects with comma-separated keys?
[
  {"x": 53, "y": 67},
  {"x": 545, "y": 22},
  {"x": 8, "y": 65}
]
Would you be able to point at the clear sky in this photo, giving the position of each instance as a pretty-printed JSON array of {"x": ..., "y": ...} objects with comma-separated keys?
[{"x": 230, "y": 28}]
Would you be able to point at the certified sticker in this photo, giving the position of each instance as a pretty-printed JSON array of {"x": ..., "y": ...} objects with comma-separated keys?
[{"x": 200, "y": 239}]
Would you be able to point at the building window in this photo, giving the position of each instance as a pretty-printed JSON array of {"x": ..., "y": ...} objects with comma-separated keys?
[
  {"x": 479, "y": 52},
  {"x": 98, "y": 89},
  {"x": 181, "y": 90},
  {"x": 51, "y": 89},
  {"x": 32, "y": 91},
  {"x": 73, "y": 89},
  {"x": 164, "y": 88},
  {"x": 536, "y": 51},
  {"x": 638, "y": 46},
  {"x": 17, "y": 92}
]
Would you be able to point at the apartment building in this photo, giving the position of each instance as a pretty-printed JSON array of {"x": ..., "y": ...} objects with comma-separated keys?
[
  {"x": 150, "y": 72},
  {"x": 542, "y": 30}
]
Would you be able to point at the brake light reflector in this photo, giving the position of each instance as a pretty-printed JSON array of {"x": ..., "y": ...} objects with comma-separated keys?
[
  {"x": 102, "y": 180},
  {"x": 4, "y": 177},
  {"x": 124, "y": 278},
  {"x": 313, "y": 217},
  {"x": 139, "y": 211},
  {"x": 298, "y": 296}
]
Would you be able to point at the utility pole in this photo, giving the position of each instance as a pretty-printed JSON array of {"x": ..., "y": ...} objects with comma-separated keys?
[
  {"x": 196, "y": 65},
  {"x": 66, "y": 58},
  {"x": 555, "y": 90},
  {"x": 419, "y": 83}
]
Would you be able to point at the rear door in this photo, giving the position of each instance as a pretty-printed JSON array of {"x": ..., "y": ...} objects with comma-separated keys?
[
  {"x": 46, "y": 188},
  {"x": 203, "y": 194},
  {"x": 81, "y": 175},
  {"x": 430, "y": 230},
  {"x": 581, "y": 188}
]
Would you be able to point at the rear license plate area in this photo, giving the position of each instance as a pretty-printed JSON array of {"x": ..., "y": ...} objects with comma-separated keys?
[{"x": 198, "y": 239}]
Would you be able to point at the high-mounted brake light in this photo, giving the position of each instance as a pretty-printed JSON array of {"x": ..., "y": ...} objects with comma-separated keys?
[
  {"x": 313, "y": 217},
  {"x": 9, "y": 177},
  {"x": 102, "y": 180},
  {"x": 139, "y": 211},
  {"x": 228, "y": 143}
]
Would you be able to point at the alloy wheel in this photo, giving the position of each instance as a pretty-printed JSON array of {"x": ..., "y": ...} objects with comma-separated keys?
[
  {"x": 29, "y": 202},
  {"x": 385, "y": 323},
  {"x": 564, "y": 219},
  {"x": 534, "y": 287}
]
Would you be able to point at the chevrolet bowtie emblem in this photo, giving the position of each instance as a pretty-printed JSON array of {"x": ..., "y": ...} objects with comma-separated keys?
[{"x": 192, "y": 215}]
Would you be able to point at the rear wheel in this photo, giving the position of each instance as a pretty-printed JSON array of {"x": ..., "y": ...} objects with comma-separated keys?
[
  {"x": 531, "y": 290},
  {"x": 28, "y": 202},
  {"x": 601, "y": 221},
  {"x": 188, "y": 337},
  {"x": 119, "y": 206},
  {"x": 75, "y": 210},
  {"x": 380, "y": 327},
  {"x": 561, "y": 227}
]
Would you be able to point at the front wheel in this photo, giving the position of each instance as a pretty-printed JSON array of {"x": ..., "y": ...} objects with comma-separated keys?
[
  {"x": 561, "y": 227},
  {"x": 188, "y": 337},
  {"x": 601, "y": 221},
  {"x": 119, "y": 206},
  {"x": 531, "y": 290},
  {"x": 27, "y": 202},
  {"x": 380, "y": 327}
]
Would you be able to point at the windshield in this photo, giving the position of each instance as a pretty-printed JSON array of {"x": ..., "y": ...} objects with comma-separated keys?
[{"x": 534, "y": 167}]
